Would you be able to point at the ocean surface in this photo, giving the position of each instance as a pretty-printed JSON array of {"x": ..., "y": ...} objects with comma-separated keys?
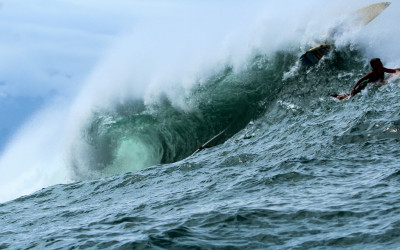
[{"x": 295, "y": 168}]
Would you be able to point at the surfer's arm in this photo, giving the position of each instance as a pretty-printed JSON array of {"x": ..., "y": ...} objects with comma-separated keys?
[
  {"x": 391, "y": 70},
  {"x": 366, "y": 77}
]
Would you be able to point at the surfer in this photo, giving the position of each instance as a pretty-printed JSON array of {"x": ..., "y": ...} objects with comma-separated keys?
[{"x": 377, "y": 75}]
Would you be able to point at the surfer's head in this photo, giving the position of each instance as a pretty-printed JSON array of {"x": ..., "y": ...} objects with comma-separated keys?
[{"x": 376, "y": 63}]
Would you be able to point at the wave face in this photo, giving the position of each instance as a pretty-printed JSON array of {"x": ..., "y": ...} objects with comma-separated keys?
[
  {"x": 295, "y": 168},
  {"x": 133, "y": 135}
]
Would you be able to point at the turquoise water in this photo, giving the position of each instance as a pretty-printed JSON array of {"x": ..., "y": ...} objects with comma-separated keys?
[{"x": 296, "y": 168}]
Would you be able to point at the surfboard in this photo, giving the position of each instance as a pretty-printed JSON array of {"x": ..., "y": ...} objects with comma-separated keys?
[
  {"x": 367, "y": 14},
  {"x": 341, "y": 97},
  {"x": 393, "y": 77},
  {"x": 397, "y": 74},
  {"x": 315, "y": 54},
  {"x": 361, "y": 17},
  {"x": 211, "y": 142}
]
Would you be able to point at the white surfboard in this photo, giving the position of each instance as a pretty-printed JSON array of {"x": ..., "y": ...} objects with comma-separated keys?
[{"x": 367, "y": 14}]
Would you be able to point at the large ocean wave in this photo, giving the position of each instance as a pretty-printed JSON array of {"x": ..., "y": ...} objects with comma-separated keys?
[
  {"x": 293, "y": 168},
  {"x": 155, "y": 98},
  {"x": 133, "y": 135}
]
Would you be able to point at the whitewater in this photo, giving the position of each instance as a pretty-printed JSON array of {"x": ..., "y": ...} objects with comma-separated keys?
[{"x": 112, "y": 167}]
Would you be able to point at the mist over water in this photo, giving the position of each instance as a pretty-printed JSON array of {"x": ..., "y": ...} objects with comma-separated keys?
[{"x": 163, "y": 67}]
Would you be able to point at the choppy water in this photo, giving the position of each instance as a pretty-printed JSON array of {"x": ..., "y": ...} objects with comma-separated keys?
[{"x": 297, "y": 170}]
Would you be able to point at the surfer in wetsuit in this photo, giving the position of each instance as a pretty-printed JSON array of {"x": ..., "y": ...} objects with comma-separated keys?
[{"x": 377, "y": 75}]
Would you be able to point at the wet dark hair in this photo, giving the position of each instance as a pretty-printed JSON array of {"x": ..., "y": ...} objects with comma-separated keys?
[{"x": 374, "y": 61}]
